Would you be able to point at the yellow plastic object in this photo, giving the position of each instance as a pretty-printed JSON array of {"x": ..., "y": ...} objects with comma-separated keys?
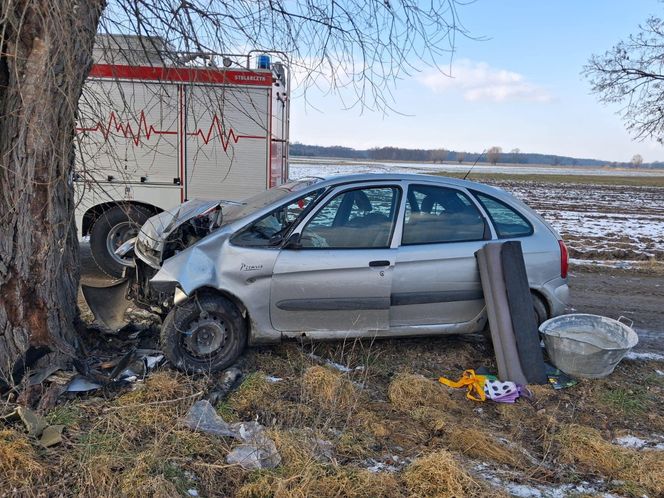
[{"x": 473, "y": 382}]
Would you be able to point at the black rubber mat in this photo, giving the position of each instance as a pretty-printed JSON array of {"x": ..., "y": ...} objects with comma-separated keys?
[{"x": 524, "y": 323}]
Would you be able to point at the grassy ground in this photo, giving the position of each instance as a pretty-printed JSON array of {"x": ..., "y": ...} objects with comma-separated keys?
[{"x": 388, "y": 412}]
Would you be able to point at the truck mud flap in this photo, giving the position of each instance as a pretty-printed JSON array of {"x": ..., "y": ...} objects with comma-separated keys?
[{"x": 108, "y": 304}]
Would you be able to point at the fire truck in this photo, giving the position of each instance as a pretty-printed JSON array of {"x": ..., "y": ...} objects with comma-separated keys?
[{"x": 157, "y": 128}]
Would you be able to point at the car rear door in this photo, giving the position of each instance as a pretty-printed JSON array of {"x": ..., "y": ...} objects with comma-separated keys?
[
  {"x": 436, "y": 279},
  {"x": 338, "y": 278}
]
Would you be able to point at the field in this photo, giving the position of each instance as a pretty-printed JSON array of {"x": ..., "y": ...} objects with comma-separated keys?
[{"x": 369, "y": 419}]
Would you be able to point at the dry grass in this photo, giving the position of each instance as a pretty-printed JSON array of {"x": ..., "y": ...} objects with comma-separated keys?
[
  {"x": 427, "y": 401},
  {"x": 251, "y": 395},
  {"x": 410, "y": 391},
  {"x": 650, "y": 471},
  {"x": 480, "y": 445},
  {"x": 322, "y": 482},
  {"x": 330, "y": 389},
  {"x": 585, "y": 447},
  {"x": 439, "y": 475},
  {"x": 19, "y": 465},
  {"x": 133, "y": 444},
  {"x": 307, "y": 472}
]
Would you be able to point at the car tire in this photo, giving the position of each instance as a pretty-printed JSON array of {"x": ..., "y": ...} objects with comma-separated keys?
[
  {"x": 204, "y": 334},
  {"x": 541, "y": 313},
  {"x": 113, "y": 227}
]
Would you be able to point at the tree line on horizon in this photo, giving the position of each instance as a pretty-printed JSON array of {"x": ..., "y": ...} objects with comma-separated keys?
[{"x": 492, "y": 155}]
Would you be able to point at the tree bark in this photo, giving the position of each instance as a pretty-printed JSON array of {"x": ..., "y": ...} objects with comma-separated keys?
[{"x": 45, "y": 55}]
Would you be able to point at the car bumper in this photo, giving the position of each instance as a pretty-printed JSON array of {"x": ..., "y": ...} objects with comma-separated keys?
[{"x": 556, "y": 292}]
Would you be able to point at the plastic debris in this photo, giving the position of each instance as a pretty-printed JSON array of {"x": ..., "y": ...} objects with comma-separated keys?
[
  {"x": 258, "y": 452},
  {"x": 80, "y": 384},
  {"x": 203, "y": 417},
  {"x": 261, "y": 455},
  {"x": 51, "y": 436}
]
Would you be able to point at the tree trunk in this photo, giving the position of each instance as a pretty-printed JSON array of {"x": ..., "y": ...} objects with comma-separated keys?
[{"x": 45, "y": 54}]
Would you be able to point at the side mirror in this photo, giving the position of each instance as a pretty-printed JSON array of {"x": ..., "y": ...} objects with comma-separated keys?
[{"x": 293, "y": 242}]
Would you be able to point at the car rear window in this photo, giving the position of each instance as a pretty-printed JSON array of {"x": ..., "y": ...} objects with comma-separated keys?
[
  {"x": 436, "y": 215},
  {"x": 507, "y": 221}
]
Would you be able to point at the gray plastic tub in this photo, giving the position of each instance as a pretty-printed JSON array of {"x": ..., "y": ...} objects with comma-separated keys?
[{"x": 588, "y": 346}]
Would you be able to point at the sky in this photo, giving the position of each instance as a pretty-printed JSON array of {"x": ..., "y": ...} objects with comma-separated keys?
[{"x": 519, "y": 87}]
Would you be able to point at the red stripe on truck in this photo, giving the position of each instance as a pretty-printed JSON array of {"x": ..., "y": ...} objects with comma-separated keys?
[{"x": 180, "y": 74}]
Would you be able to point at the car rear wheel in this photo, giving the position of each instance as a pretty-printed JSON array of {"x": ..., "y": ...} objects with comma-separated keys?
[
  {"x": 204, "y": 334},
  {"x": 541, "y": 314},
  {"x": 113, "y": 228}
]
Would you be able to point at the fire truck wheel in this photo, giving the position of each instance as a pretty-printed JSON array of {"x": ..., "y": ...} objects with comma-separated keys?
[
  {"x": 111, "y": 229},
  {"x": 205, "y": 334}
]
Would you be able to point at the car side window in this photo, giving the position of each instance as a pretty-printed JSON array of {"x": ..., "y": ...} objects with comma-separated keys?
[
  {"x": 437, "y": 215},
  {"x": 354, "y": 219},
  {"x": 262, "y": 231},
  {"x": 506, "y": 220}
]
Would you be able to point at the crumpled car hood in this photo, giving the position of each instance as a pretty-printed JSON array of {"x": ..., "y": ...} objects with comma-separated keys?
[{"x": 156, "y": 230}]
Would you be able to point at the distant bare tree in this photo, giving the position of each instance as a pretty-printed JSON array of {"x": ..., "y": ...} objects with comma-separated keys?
[
  {"x": 631, "y": 74},
  {"x": 460, "y": 157},
  {"x": 493, "y": 154},
  {"x": 438, "y": 155},
  {"x": 637, "y": 160},
  {"x": 45, "y": 55},
  {"x": 515, "y": 155}
]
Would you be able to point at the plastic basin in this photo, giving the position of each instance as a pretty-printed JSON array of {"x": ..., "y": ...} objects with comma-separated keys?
[{"x": 585, "y": 345}]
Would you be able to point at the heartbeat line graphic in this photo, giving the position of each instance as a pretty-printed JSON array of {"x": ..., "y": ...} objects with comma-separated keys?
[
  {"x": 127, "y": 130},
  {"x": 143, "y": 130},
  {"x": 225, "y": 137}
]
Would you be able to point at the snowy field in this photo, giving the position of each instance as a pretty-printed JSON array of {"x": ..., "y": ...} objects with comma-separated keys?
[
  {"x": 610, "y": 223},
  {"x": 300, "y": 167}
]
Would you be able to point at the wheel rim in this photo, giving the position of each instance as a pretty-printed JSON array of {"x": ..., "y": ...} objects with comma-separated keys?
[
  {"x": 205, "y": 337},
  {"x": 118, "y": 235}
]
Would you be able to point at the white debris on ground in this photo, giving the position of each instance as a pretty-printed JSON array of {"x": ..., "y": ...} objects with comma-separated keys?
[
  {"x": 520, "y": 490},
  {"x": 336, "y": 366},
  {"x": 257, "y": 451},
  {"x": 644, "y": 356},
  {"x": 272, "y": 379},
  {"x": 392, "y": 463},
  {"x": 621, "y": 265},
  {"x": 655, "y": 442}
]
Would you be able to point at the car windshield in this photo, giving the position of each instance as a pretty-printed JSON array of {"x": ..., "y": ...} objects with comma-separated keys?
[{"x": 237, "y": 211}]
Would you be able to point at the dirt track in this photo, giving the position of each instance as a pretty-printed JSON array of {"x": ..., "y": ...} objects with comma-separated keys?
[{"x": 612, "y": 292}]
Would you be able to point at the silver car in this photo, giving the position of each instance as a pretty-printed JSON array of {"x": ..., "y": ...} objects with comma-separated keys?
[{"x": 387, "y": 255}]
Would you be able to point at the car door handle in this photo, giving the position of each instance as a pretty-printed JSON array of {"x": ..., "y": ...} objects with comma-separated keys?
[{"x": 381, "y": 262}]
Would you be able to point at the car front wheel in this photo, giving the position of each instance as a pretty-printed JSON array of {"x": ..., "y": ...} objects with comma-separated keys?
[{"x": 204, "y": 334}]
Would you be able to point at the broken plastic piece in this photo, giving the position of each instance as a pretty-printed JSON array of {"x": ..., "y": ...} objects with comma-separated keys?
[
  {"x": 52, "y": 435},
  {"x": 108, "y": 304},
  {"x": 80, "y": 384}
]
